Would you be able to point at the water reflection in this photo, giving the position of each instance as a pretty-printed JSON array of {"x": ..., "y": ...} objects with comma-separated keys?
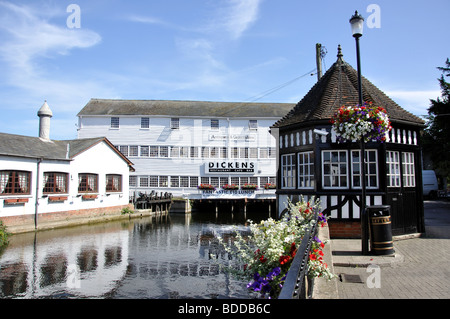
[{"x": 153, "y": 257}]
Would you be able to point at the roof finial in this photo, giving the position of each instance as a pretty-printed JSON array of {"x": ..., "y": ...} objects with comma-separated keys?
[{"x": 339, "y": 55}]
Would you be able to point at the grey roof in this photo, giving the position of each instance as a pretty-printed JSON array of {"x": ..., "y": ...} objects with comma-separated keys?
[
  {"x": 185, "y": 108},
  {"x": 338, "y": 87},
  {"x": 36, "y": 147}
]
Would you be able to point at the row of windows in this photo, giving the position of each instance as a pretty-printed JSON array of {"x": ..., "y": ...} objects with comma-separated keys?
[
  {"x": 342, "y": 169},
  {"x": 195, "y": 151},
  {"x": 18, "y": 183},
  {"x": 195, "y": 181},
  {"x": 175, "y": 123}
]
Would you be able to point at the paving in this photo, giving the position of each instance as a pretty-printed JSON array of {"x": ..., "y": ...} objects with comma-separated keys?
[{"x": 418, "y": 269}]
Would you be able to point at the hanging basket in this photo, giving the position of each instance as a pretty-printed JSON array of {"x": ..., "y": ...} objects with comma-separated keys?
[{"x": 366, "y": 122}]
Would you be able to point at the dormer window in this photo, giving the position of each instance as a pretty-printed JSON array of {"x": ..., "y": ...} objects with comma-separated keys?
[
  {"x": 174, "y": 123},
  {"x": 114, "y": 122},
  {"x": 253, "y": 125}
]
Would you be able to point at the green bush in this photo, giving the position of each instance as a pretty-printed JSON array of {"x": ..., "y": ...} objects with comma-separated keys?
[
  {"x": 3, "y": 235},
  {"x": 127, "y": 210}
]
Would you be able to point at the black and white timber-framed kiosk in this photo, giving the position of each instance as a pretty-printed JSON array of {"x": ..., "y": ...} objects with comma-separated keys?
[{"x": 311, "y": 162}]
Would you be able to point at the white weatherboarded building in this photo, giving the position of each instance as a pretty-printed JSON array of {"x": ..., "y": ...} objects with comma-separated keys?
[
  {"x": 44, "y": 181},
  {"x": 176, "y": 146}
]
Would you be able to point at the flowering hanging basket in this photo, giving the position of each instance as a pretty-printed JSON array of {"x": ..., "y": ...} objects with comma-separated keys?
[{"x": 365, "y": 122}]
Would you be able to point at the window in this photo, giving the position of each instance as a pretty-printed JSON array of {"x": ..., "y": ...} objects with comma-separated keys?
[
  {"x": 163, "y": 181},
  {"x": 114, "y": 122},
  {"x": 55, "y": 183},
  {"x": 153, "y": 181},
  {"x": 87, "y": 183},
  {"x": 164, "y": 151},
  {"x": 194, "y": 151},
  {"x": 174, "y": 151},
  {"x": 371, "y": 169},
  {"x": 14, "y": 182},
  {"x": 334, "y": 168},
  {"x": 306, "y": 170},
  {"x": 287, "y": 171},
  {"x": 205, "y": 152},
  {"x": 153, "y": 151},
  {"x": 174, "y": 123},
  {"x": 408, "y": 169},
  {"x": 133, "y": 181},
  {"x": 214, "y": 124},
  {"x": 253, "y": 152},
  {"x": 145, "y": 122},
  {"x": 253, "y": 124},
  {"x": 223, "y": 152},
  {"x": 134, "y": 150},
  {"x": 214, "y": 152},
  {"x": 145, "y": 151},
  {"x": 193, "y": 181},
  {"x": 113, "y": 183},
  {"x": 124, "y": 150},
  {"x": 143, "y": 181},
  {"x": 184, "y": 181},
  {"x": 174, "y": 181},
  {"x": 235, "y": 152},
  {"x": 243, "y": 152},
  {"x": 393, "y": 168}
]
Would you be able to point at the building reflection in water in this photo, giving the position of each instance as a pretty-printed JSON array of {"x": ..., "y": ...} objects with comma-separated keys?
[{"x": 155, "y": 257}]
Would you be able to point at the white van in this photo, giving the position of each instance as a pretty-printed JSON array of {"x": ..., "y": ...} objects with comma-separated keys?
[{"x": 430, "y": 184}]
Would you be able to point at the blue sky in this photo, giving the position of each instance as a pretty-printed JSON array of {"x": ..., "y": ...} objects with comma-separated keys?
[{"x": 209, "y": 50}]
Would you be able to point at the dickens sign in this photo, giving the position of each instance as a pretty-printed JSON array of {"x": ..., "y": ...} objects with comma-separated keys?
[{"x": 230, "y": 167}]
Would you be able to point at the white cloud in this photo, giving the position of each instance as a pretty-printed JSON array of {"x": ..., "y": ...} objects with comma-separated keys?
[
  {"x": 236, "y": 17},
  {"x": 416, "y": 102},
  {"x": 30, "y": 36}
]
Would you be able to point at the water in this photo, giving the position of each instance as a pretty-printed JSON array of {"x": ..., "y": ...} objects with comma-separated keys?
[{"x": 151, "y": 257}]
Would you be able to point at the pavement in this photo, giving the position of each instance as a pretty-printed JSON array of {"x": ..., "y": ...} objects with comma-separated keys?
[{"x": 418, "y": 269}]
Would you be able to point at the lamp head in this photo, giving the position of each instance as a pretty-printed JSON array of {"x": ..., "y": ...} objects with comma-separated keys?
[{"x": 357, "y": 24}]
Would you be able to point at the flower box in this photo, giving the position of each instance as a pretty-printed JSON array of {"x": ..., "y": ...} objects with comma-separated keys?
[
  {"x": 89, "y": 197},
  {"x": 206, "y": 187},
  {"x": 57, "y": 198},
  {"x": 249, "y": 186},
  {"x": 270, "y": 186},
  {"x": 12, "y": 201},
  {"x": 230, "y": 186}
]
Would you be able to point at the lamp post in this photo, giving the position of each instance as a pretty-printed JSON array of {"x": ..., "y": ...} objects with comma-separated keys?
[{"x": 357, "y": 24}]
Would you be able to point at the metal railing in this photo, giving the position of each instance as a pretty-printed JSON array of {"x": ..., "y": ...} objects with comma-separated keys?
[{"x": 297, "y": 284}]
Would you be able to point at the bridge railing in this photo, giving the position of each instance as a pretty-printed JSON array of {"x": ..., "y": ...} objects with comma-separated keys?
[{"x": 297, "y": 284}]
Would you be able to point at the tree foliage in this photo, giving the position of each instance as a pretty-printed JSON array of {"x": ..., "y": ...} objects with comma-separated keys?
[{"x": 436, "y": 139}]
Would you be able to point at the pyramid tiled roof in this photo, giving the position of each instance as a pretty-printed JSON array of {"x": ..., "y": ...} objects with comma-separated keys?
[{"x": 338, "y": 87}]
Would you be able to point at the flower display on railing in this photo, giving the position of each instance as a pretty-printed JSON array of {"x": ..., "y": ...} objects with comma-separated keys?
[
  {"x": 265, "y": 256},
  {"x": 361, "y": 122},
  {"x": 249, "y": 186},
  {"x": 230, "y": 186},
  {"x": 206, "y": 187},
  {"x": 270, "y": 186}
]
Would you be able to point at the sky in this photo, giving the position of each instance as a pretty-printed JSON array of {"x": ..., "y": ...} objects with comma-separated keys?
[{"x": 67, "y": 52}]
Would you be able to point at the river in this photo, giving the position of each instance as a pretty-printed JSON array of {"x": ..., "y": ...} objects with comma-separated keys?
[{"x": 164, "y": 257}]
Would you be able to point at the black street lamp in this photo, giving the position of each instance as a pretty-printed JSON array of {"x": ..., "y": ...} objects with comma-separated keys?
[{"x": 357, "y": 24}]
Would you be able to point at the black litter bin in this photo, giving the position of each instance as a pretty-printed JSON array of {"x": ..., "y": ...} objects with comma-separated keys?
[{"x": 380, "y": 230}]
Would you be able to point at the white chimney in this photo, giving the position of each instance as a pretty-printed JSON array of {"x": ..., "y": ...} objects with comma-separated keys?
[{"x": 44, "y": 114}]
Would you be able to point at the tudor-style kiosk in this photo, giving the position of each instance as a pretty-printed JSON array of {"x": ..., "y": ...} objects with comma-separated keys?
[{"x": 312, "y": 161}]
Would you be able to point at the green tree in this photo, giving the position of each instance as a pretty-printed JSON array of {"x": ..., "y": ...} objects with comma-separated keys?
[{"x": 436, "y": 139}]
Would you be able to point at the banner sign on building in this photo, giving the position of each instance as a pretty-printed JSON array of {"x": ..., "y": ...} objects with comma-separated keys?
[
  {"x": 232, "y": 167},
  {"x": 228, "y": 194}
]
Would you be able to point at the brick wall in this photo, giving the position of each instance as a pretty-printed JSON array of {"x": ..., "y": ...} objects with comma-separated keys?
[
  {"x": 344, "y": 229},
  {"x": 26, "y": 222}
]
